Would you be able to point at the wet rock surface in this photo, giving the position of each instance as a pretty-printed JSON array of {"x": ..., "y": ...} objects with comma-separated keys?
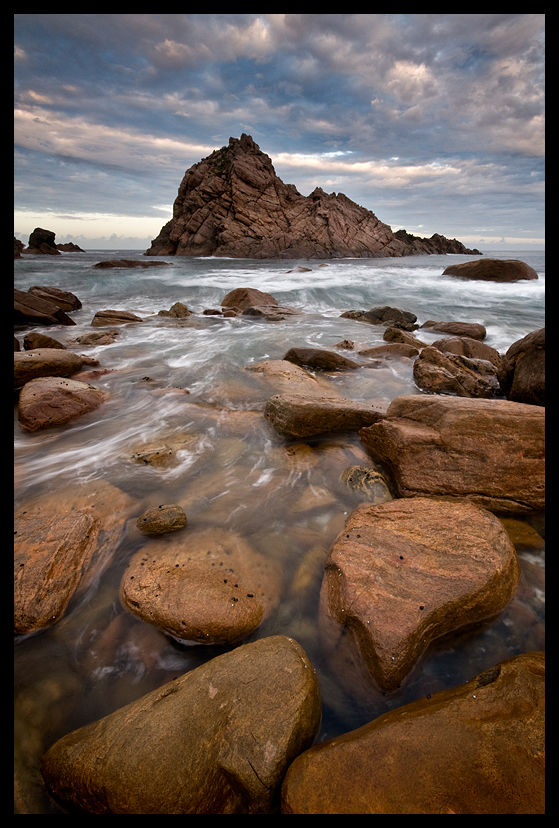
[
  {"x": 216, "y": 740},
  {"x": 47, "y": 402},
  {"x": 62, "y": 543},
  {"x": 490, "y": 452},
  {"x": 207, "y": 587},
  {"x": 475, "y": 749},
  {"x": 295, "y": 416},
  {"x": 493, "y": 270},
  {"x": 405, "y": 572}
]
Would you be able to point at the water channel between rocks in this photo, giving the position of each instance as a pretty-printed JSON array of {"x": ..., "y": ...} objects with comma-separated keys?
[{"x": 229, "y": 469}]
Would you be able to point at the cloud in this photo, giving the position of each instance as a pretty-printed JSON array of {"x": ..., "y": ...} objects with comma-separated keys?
[{"x": 112, "y": 108}]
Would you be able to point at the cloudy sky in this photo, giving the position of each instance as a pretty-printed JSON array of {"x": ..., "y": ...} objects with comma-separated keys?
[{"x": 435, "y": 122}]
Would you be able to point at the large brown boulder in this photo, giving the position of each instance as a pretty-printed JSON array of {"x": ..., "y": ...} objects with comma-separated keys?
[
  {"x": 217, "y": 740},
  {"x": 126, "y": 263},
  {"x": 475, "y": 749},
  {"x": 47, "y": 402},
  {"x": 491, "y": 452},
  {"x": 522, "y": 372},
  {"x": 240, "y": 299},
  {"x": 492, "y": 270},
  {"x": 33, "y": 310},
  {"x": 295, "y": 416},
  {"x": 403, "y": 573},
  {"x": 232, "y": 203},
  {"x": 62, "y": 543},
  {"x": 208, "y": 587},
  {"x": 445, "y": 373},
  {"x": 281, "y": 376},
  {"x": 44, "y": 362},
  {"x": 62, "y": 298}
]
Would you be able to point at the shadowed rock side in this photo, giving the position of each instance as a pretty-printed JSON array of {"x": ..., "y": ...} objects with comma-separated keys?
[{"x": 232, "y": 203}]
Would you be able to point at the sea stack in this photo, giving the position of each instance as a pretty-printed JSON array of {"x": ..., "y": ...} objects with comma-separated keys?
[{"x": 232, "y": 204}]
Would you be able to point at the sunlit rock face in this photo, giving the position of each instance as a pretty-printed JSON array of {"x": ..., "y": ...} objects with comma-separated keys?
[{"x": 233, "y": 204}]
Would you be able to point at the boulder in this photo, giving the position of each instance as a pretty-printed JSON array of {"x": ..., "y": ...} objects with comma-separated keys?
[
  {"x": 62, "y": 543},
  {"x": 475, "y": 749},
  {"x": 468, "y": 347},
  {"x": 242, "y": 298},
  {"x": 473, "y": 330},
  {"x": 492, "y": 270},
  {"x": 32, "y": 341},
  {"x": 281, "y": 376},
  {"x": 295, "y": 416},
  {"x": 52, "y": 401},
  {"x": 179, "y": 311},
  {"x": 319, "y": 359},
  {"x": 445, "y": 373},
  {"x": 62, "y": 298},
  {"x": 32, "y": 310},
  {"x": 96, "y": 338},
  {"x": 44, "y": 362},
  {"x": 118, "y": 263},
  {"x": 491, "y": 452},
  {"x": 209, "y": 587},
  {"x": 384, "y": 315},
  {"x": 114, "y": 317},
  {"x": 405, "y": 572},
  {"x": 522, "y": 373},
  {"x": 162, "y": 520},
  {"x": 216, "y": 740},
  {"x": 42, "y": 241},
  {"x": 233, "y": 204}
]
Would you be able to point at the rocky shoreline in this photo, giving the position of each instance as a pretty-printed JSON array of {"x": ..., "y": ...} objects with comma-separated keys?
[{"x": 430, "y": 550}]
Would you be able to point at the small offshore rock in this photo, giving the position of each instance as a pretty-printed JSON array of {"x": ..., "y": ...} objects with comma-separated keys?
[{"x": 493, "y": 270}]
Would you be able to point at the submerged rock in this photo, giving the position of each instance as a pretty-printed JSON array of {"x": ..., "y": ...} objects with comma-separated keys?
[
  {"x": 403, "y": 573},
  {"x": 475, "y": 749},
  {"x": 209, "y": 587},
  {"x": 62, "y": 543},
  {"x": 232, "y": 203},
  {"x": 162, "y": 520},
  {"x": 217, "y": 740},
  {"x": 491, "y": 452}
]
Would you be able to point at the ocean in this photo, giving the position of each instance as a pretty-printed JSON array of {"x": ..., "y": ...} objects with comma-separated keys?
[{"x": 165, "y": 377}]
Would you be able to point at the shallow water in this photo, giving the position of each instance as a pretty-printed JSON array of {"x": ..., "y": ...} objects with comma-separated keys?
[{"x": 233, "y": 471}]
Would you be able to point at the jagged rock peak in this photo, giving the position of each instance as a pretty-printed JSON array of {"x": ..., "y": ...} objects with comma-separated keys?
[{"x": 233, "y": 204}]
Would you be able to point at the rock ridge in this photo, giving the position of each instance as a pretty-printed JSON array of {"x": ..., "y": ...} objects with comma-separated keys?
[{"x": 232, "y": 204}]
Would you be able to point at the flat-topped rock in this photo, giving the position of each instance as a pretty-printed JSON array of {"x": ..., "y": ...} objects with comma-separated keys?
[
  {"x": 44, "y": 362},
  {"x": 295, "y": 416},
  {"x": 491, "y": 452},
  {"x": 114, "y": 317}
]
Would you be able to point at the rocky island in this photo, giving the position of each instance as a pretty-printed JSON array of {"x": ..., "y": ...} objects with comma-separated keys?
[{"x": 232, "y": 204}]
